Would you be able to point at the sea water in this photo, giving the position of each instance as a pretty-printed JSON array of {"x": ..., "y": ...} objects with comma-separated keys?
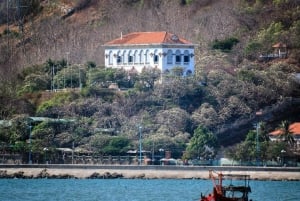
[{"x": 134, "y": 190}]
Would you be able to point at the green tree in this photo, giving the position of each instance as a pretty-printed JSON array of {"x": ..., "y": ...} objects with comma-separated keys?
[
  {"x": 206, "y": 115},
  {"x": 254, "y": 147},
  {"x": 73, "y": 77},
  {"x": 202, "y": 144},
  {"x": 270, "y": 35},
  {"x": 148, "y": 78},
  {"x": 98, "y": 141},
  {"x": 286, "y": 135},
  {"x": 225, "y": 45},
  {"x": 117, "y": 146},
  {"x": 35, "y": 82},
  {"x": 52, "y": 66},
  {"x": 90, "y": 64},
  {"x": 295, "y": 34},
  {"x": 252, "y": 49},
  {"x": 101, "y": 76},
  {"x": 159, "y": 144}
]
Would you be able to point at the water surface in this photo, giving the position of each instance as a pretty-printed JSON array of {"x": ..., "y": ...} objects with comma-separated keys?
[{"x": 134, "y": 190}]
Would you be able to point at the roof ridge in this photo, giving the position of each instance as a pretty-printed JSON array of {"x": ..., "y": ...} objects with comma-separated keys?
[{"x": 149, "y": 37}]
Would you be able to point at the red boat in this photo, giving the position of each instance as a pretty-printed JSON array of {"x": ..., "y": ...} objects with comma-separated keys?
[{"x": 228, "y": 191}]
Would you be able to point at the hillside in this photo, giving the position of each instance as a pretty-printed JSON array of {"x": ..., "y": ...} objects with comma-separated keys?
[
  {"x": 77, "y": 29},
  {"x": 82, "y": 28},
  {"x": 234, "y": 83}
]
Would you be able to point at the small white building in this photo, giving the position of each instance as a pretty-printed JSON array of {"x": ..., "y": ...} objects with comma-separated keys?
[{"x": 139, "y": 50}]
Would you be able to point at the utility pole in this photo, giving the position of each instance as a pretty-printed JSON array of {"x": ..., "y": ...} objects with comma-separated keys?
[
  {"x": 52, "y": 87},
  {"x": 257, "y": 143},
  {"x": 258, "y": 114},
  {"x": 30, "y": 149},
  {"x": 79, "y": 75},
  {"x": 73, "y": 152},
  {"x": 68, "y": 66}
]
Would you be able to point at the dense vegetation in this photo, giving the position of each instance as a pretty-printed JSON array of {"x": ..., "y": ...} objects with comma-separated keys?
[{"x": 196, "y": 115}]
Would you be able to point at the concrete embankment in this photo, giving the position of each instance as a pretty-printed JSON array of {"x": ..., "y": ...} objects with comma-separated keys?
[{"x": 147, "y": 172}]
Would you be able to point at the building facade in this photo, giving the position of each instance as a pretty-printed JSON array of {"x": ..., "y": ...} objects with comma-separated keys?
[{"x": 140, "y": 50}]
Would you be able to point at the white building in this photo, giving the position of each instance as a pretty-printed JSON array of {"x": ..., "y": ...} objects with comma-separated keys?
[{"x": 140, "y": 50}]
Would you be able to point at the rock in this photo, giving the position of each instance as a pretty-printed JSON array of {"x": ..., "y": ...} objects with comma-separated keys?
[
  {"x": 64, "y": 176},
  {"x": 116, "y": 175},
  {"x": 43, "y": 174},
  {"x": 106, "y": 175},
  {"x": 3, "y": 174},
  {"x": 95, "y": 175},
  {"x": 140, "y": 176},
  {"x": 19, "y": 175}
]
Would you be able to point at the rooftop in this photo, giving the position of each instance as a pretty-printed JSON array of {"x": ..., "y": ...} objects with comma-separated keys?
[
  {"x": 293, "y": 128},
  {"x": 140, "y": 38},
  {"x": 278, "y": 45}
]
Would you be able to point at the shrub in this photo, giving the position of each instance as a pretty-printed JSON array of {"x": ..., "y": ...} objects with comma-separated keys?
[
  {"x": 225, "y": 45},
  {"x": 252, "y": 49}
]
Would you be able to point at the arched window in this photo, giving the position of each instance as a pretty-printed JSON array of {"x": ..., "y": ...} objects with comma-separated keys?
[
  {"x": 110, "y": 58},
  {"x": 142, "y": 57},
  {"x": 186, "y": 57},
  {"x": 124, "y": 57},
  {"x": 136, "y": 57},
  {"x": 147, "y": 57},
  {"x": 130, "y": 57},
  {"x": 155, "y": 57},
  {"x": 119, "y": 58},
  {"x": 177, "y": 57},
  {"x": 169, "y": 57}
]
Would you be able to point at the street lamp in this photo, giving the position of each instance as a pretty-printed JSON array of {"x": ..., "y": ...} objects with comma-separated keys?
[
  {"x": 52, "y": 73},
  {"x": 140, "y": 142},
  {"x": 64, "y": 69},
  {"x": 282, "y": 157},
  {"x": 45, "y": 151},
  {"x": 29, "y": 154},
  {"x": 257, "y": 143},
  {"x": 73, "y": 152},
  {"x": 258, "y": 114},
  {"x": 161, "y": 152}
]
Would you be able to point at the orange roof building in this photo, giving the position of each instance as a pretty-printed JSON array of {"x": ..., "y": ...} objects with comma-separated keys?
[
  {"x": 280, "y": 50},
  {"x": 139, "y": 50},
  {"x": 294, "y": 128}
]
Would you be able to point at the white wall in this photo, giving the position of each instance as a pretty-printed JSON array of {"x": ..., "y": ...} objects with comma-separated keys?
[{"x": 162, "y": 64}]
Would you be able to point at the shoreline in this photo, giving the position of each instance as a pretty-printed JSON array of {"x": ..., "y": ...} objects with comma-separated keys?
[{"x": 142, "y": 172}]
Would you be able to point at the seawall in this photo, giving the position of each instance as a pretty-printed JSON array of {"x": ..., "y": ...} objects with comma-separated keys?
[{"x": 146, "y": 172}]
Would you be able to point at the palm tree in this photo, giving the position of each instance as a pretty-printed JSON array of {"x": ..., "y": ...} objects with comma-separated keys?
[
  {"x": 286, "y": 134},
  {"x": 264, "y": 137}
]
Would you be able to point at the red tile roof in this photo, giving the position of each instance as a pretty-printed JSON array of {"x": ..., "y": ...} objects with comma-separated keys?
[
  {"x": 140, "y": 38},
  {"x": 293, "y": 128},
  {"x": 278, "y": 45}
]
